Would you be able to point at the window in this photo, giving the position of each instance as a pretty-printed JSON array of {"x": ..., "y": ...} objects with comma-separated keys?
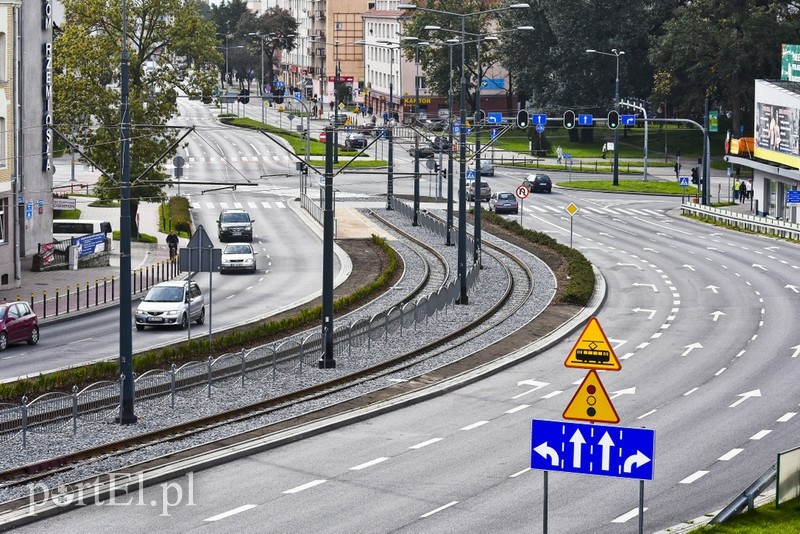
[
  {"x": 3, "y": 220},
  {"x": 3, "y": 67},
  {"x": 3, "y": 142}
]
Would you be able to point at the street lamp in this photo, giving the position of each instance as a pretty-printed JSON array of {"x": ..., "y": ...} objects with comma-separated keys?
[
  {"x": 462, "y": 181},
  {"x": 391, "y": 47},
  {"x": 614, "y": 53},
  {"x": 417, "y": 44}
]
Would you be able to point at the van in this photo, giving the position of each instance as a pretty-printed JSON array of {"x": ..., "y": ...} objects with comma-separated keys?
[{"x": 89, "y": 235}]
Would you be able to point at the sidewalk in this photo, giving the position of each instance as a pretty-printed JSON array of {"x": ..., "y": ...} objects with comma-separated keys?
[{"x": 148, "y": 261}]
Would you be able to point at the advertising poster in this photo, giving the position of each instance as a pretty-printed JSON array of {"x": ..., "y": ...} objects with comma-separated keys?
[{"x": 777, "y": 129}]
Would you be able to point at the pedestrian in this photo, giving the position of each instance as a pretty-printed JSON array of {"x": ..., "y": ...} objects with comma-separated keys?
[
  {"x": 749, "y": 189},
  {"x": 743, "y": 191},
  {"x": 605, "y": 149},
  {"x": 559, "y": 154},
  {"x": 735, "y": 190},
  {"x": 331, "y": 104}
]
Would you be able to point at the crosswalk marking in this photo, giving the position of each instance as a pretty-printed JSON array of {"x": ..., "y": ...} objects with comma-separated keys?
[
  {"x": 252, "y": 204},
  {"x": 223, "y": 205}
]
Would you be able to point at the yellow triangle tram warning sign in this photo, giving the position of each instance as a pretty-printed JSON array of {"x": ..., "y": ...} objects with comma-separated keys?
[
  {"x": 591, "y": 402},
  {"x": 592, "y": 350}
]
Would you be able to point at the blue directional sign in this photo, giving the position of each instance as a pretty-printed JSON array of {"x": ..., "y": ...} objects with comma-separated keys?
[
  {"x": 683, "y": 181},
  {"x": 494, "y": 117},
  {"x": 592, "y": 449},
  {"x": 298, "y": 95},
  {"x": 793, "y": 197},
  {"x": 494, "y": 132},
  {"x": 279, "y": 84},
  {"x": 539, "y": 118},
  {"x": 456, "y": 127},
  {"x": 627, "y": 120},
  {"x": 585, "y": 119}
]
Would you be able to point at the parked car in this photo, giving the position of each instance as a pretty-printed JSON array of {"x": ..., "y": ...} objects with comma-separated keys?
[
  {"x": 234, "y": 224},
  {"x": 18, "y": 323},
  {"x": 238, "y": 257},
  {"x": 504, "y": 203},
  {"x": 538, "y": 183},
  {"x": 172, "y": 303},
  {"x": 355, "y": 140},
  {"x": 487, "y": 167},
  {"x": 485, "y": 194}
]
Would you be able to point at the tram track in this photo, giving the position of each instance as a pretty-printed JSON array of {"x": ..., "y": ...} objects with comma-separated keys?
[{"x": 517, "y": 289}]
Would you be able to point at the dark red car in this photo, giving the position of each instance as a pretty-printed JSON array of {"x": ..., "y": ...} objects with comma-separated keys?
[{"x": 18, "y": 323}]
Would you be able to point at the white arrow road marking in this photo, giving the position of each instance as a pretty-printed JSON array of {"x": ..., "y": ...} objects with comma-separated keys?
[
  {"x": 577, "y": 445},
  {"x": 713, "y": 288},
  {"x": 536, "y": 385},
  {"x": 650, "y": 313},
  {"x": 638, "y": 459},
  {"x": 771, "y": 249},
  {"x": 637, "y": 284},
  {"x": 796, "y": 351},
  {"x": 744, "y": 396},
  {"x": 690, "y": 348},
  {"x": 793, "y": 288},
  {"x": 690, "y": 267},
  {"x": 547, "y": 452},
  {"x": 759, "y": 266},
  {"x": 606, "y": 443},
  {"x": 628, "y": 391},
  {"x": 716, "y": 314},
  {"x": 651, "y": 250}
]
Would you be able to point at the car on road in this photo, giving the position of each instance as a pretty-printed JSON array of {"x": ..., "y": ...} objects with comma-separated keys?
[
  {"x": 234, "y": 224},
  {"x": 538, "y": 183},
  {"x": 487, "y": 167},
  {"x": 504, "y": 203},
  {"x": 172, "y": 303},
  {"x": 18, "y": 323},
  {"x": 355, "y": 140},
  {"x": 424, "y": 151},
  {"x": 238, "y": 257},
  {"x": 440, "y": 144},
  {"x": 485, "y": 194}
]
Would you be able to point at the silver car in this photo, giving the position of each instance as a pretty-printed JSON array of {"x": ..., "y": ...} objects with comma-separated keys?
[
  {"x": 238, "y": 257},
  {"x": 485, "y": 194},
  {"x": 487, "y": 167},
  {"x": 172, "y": 303}
]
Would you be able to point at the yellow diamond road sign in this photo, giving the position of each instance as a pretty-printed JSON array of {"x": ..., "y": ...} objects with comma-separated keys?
[
  {"x": 572, "y": 209},
  {"x": 592, "y": 350},
  {"x": 591, "y": 402}
]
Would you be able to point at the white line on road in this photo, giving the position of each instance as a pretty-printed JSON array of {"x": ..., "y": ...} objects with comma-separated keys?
[
  {"x": 425, "y": 443},
  {"x": 760, "y": 434},
  {"x": 695, "y": 476},
  {"x": 651, "y": 412},
  {"x": 369, "y": 464},
  {"x": 720, "y": 371},
  {"x": 518, "y": 473},
  {"x": 518, "y": 408},
  {"x": 730, "y": 455},
  {"x": 448, "y": 505},
  {"x": 305, "y": 486},
  {"x": 552, "y": 394},
  {"x": 627, "y": 517},
  {"x": 474, "y": 425},
  {"x": 786, "y": 417},
  {"x": 231, "y": 512},
  {"x": 690, "y": 392}
]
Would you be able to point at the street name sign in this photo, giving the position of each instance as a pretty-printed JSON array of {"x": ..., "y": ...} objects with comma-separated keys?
[{"x": 621, "y": 452}]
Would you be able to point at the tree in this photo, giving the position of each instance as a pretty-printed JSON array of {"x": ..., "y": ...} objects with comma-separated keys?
[
  {"x": 86, "y": 96},
  {"x": 716, "y": 48},
  {"x": 278, "y": 30},
  {"x": 434, "y": 63}
]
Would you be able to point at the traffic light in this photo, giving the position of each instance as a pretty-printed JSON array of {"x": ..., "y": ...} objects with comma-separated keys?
[
  {"x": 436, "y": 167},
  {"x": 569, "y": 119},
  {"x": 244, "y": 96},
  {"x": 279, "y": 96},
  {"x": 480, "y": 116},
  {"x": 613, "y": 119},
  {"x": 695, "y": 175},
  {"x": 523, "y": 119}
]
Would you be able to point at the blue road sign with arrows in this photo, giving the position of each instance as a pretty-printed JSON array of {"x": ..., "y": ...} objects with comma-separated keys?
[
  {"x": 494, "y": 117},
  {"x": 585, "y": 119},
  {"x": 539, "y": 118},
  {"x": 592, "y": 449},
  {"x": 627, "y": 120}
]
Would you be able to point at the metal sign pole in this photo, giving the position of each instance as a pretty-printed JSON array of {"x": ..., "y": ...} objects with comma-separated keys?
[
  {"x": 544, "y": 505},
  {"x": 641, "y": 507}
]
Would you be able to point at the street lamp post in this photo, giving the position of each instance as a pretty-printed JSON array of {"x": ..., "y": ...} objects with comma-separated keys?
[
  {"x": 225, "y": 77},
  {"x": 462, "y": 201},
  {"x": 417, "y": 44},
  {"x": 387, "y": 127},
  {"x": 614, "y": 53}
]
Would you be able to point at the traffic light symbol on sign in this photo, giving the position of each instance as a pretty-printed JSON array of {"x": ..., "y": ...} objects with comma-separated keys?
[
  {"x": 591, "y": 402},
  {"x": 523, "y": 120},
  {"x": 613, "y": 120},
  {"x": 569, "y": 119}
]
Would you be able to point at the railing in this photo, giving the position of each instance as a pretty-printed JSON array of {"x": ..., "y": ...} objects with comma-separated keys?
[
  {"x": 294, "y": 356},
  {"x": 750, "y": 222}
]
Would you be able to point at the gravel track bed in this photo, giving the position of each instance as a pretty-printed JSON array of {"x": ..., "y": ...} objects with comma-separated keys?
[{"x": 157, "y": 414}]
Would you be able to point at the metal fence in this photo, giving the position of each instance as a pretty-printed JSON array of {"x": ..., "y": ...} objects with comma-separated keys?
[
  {"x": 291, "y": 357},
  {"x": 753, "y": 223}
]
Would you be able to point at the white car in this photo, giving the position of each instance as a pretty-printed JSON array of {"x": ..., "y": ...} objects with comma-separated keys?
[
  {"x": 487, "y": 167},
  {"x": 238, "y": 257},
  {"x": 172, "y": 303}
]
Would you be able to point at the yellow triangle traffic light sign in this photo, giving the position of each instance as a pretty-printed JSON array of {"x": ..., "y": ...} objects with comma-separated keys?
[
  {"x": 592, "y": 350},
  {"x": 591, "y": 402}
]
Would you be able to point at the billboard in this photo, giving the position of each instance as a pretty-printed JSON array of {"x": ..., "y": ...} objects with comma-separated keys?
[
  {"x": 777, "y": 124},
  {"x": 790, "y": 62}
]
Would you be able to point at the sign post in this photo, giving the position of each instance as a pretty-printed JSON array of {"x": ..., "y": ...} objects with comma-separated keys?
[{"x": 522, "y": 194}]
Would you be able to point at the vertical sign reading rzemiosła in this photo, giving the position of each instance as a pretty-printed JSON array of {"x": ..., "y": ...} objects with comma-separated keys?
[{"x": 47, "y": 85}]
